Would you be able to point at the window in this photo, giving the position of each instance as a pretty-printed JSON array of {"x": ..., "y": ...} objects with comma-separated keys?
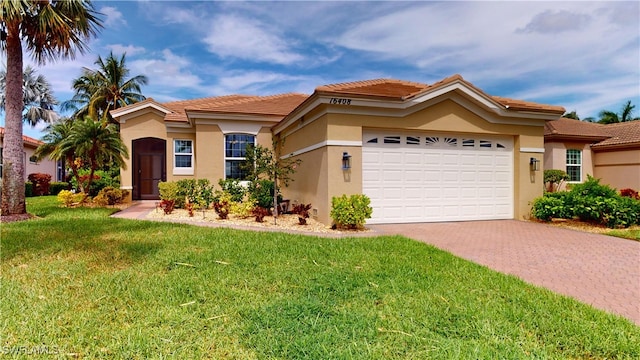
[
  {"x": 235, "y": 151},
  {"x": 574, "y": 165},
  {"x": 183, "y": 157},
  {"x": 33, "y": 159}
]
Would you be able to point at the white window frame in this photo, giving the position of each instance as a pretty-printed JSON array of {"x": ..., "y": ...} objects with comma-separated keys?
[
  {"x": 183, "y": 170},
  {"x": 577, "y": 165},
  {"x": 234, "y": 158}
]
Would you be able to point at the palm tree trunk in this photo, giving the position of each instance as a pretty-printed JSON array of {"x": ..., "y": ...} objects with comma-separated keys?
[{"x": 13, "y": 201}]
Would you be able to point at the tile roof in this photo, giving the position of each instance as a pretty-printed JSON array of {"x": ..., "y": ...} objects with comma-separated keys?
[
  {"x": 602, "y": 136},
  {"x": 279, "y": 105},
  {"x": 402, "y": 90},
  {"x": 622, "y": 134},
  {"x": 26, "y": 139}
]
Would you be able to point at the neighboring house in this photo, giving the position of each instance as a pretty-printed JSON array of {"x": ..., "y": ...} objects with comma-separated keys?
[
  {"x": 608, "y": 152},
  {"x": 32, "y": 165},
  {"x": 441, "y": 152}
]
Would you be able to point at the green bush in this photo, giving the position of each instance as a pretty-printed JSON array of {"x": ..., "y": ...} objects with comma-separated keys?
[
  {"x": 101, "y": 179},
  {"x": 111, "y": 196},
  {"x": 262, "y": 192},
  {"x": 590, "y": 202},
  {"x": 168, "y": 190},
  {"x": 199, "y": 192},
  {"x": 68, "y": 198},
  {"x": 350, "y": 212},
  {"x": 234, "y": 187},
  {"x": 592, "y": 187},
  {"x": 28, "y": 189},
  {"x": 548, "y": 207},
  {"x": 57, "y": 186},
  {"x": 555, "y": 178}
]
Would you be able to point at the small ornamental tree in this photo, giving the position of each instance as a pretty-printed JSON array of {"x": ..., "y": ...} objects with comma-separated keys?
[
  {"x": 262, "y": 163},
  {"x": 554, "y": 178}
]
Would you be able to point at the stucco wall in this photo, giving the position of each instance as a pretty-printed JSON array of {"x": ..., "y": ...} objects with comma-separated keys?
[
  {"x": 620, "y": 169},
  {"x": 44, "y": 166},
  {"x": 555, "y": 157},
  {"x": 446, "y": 116},
  {"x": 137, "y": 126}
]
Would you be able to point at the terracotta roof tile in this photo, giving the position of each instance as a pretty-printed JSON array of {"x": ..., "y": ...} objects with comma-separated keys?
[
  {"x": 565, "y": 127},
  {"x": 402, "y": 90},
  {"x": 626, "y": 133},
  {"x": 620, "y": 134},
  {"x": 280, "y": 105},
  {"x": 26, "y": 139},
  {"x": 389, "y": 88}
]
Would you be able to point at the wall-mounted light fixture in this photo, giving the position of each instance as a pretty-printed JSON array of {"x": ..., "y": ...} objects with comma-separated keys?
[
  {"x": 346, "y": 161},
  {"x": 534, "y": 164}
]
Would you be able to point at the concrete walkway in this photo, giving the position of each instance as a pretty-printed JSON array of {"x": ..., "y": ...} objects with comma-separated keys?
[{"x": 600, "y": 270}]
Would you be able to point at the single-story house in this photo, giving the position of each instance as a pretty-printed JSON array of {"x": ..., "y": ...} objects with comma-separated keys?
[
  {"x": 608, "y": 152},
  {"x": 32, "y": 164},
  {"x": 441, "y": 152}
]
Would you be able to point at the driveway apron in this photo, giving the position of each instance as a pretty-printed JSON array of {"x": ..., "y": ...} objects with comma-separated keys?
[{"x": 599, "y": 270}]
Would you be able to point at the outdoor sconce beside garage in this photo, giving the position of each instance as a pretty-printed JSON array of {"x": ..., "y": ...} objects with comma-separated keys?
[
  {"x": 346, "y": 161},
  {"x": 534, "y": 164}
]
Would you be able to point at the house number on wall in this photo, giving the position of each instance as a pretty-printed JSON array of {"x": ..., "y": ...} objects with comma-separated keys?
[{"x": 340, "y": 101}]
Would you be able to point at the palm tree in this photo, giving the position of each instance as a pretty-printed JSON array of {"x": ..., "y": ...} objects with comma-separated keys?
[
  {"x": 58, "y": 147},
  {"x": 38, "y": 97},
  {"x": 106, "y": 88},
  {"x": 610, "y": 117},
  {"x": 49, "y": 29},
  {"x": 98, "y": 142},
  {"x": 571, "y": 115}
]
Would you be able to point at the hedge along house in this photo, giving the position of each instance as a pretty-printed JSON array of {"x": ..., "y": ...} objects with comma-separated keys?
[
  {"x": 608, "y": 152},
  {"x": 441, "y": 152}
]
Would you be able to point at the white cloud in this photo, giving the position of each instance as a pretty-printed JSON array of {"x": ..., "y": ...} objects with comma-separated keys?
[
  {"x": 248, "y": 39},
  {"x": 167, "y": 73},
  {"x": 113, "y": 16},
  {"x": 549, "y": 22},
  {"x": 130, "y": 50}
]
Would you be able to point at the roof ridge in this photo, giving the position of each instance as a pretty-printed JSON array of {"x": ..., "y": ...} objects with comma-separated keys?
[{"x": 363, "y": 83}]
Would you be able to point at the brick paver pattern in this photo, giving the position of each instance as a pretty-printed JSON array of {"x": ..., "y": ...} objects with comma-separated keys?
[{"x": 599, "y": 270}]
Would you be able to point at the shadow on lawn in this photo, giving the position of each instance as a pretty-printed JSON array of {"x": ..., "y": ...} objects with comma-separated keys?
[{"x": 129, "y": 239}]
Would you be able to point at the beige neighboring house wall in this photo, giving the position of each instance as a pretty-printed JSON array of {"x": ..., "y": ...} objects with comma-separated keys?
[
  {"x": 610, "y": 152},
  {"x": 318, "y": 129},
  {"x": 44, "y": 166},
  {"x": 620, "y": 168}
]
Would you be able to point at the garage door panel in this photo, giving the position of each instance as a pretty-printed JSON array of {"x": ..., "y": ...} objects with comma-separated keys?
[{"x": 420, "y": 178}]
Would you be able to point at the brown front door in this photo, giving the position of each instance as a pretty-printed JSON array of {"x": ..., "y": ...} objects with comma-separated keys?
[{"x": 149, "y": 156}]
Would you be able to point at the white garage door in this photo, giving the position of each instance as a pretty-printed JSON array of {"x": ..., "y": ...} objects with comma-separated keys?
[{"x": 434, "y": 177}]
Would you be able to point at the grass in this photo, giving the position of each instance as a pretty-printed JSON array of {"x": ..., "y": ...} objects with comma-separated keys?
[
  {"x": 90, "y": 286},
  {"x": 631, "y": 234}
]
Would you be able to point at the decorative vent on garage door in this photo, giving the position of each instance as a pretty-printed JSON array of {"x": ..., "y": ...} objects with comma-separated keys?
[{"x": 438, "y": 141}]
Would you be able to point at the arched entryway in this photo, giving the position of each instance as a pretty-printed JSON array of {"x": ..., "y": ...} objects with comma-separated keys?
[{"x": 149, "y": 167}]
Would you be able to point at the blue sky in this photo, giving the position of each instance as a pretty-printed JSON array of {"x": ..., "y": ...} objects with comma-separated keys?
[{"x": 584, "y": 56}]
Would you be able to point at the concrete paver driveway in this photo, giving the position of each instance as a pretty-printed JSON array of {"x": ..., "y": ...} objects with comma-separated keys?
[{"x": 600, "y": 270}]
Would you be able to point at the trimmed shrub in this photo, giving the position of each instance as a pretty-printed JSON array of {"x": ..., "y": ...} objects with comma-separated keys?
[
  {"x": 168, "y": 190},
  {"x": 547, "y": 207},
  {"x": 199, "y": 192},
  {"x": 590, "y": 202},
  {"x": 57, "y": 186},
  {"x": 262, "y": 192},
  {"x": 350, "y": 212},
  {"x": 242, "y": 209},
  {"x": 40, "y": 183},
  {"x": 68, "y": 198},
  {"x": 555, "y": 178},
  {"x": 233, "y": 187},
  {"x": 111, "y": 196}
]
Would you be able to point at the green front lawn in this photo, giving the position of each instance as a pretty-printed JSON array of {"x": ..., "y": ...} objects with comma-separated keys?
[{"x": 85, "y": 284}]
